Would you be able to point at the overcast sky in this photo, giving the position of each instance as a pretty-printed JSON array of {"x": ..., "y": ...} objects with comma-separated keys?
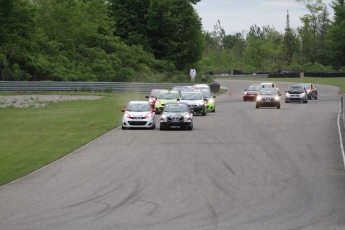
[{"x": 238, "y": 15}]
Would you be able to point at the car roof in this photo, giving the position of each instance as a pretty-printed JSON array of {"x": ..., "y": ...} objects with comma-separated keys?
[
  {"x": 177, "y": 103},
  {"x": 138, "y": 102},
  {"x": 195, "y": 91},
  {"x": 168, "y": 90}
]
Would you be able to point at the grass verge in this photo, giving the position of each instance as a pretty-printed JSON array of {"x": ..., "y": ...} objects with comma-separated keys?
[{"x": 34, "y": 137}]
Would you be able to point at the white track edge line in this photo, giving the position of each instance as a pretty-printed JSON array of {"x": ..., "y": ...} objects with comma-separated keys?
[{"x": 340, "y": 136}]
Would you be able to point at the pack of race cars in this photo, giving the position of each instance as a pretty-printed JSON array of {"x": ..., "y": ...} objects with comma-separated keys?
[
  {"x": 176, "y": 107},
  {"x": 267, "y": 94}
]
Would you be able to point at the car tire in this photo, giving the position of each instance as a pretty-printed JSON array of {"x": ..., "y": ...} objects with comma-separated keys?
[
  {"x": 190, "y": 127},
  {"x": 214, "y": 110},
  {"x": 278, "y": 106},
  {"x": 204, "y": 113},
  {"x": 257, "y": 106},
  {"x": 123, "y": 128},
  {"x": 287, "y": 102},
  {"x": 153, "y": 126}
]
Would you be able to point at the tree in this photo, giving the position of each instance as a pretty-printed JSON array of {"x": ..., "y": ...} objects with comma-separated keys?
[{"x": 336, "y": 36}]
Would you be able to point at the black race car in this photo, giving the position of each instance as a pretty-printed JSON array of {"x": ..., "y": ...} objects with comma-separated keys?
[
  {"x": 176, "y": 115},
  {"x": 268, "y": 98}
]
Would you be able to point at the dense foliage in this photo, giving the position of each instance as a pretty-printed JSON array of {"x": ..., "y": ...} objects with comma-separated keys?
[
  {"x": 316, "y": 46},
  {"x": 154, "y": 41}
]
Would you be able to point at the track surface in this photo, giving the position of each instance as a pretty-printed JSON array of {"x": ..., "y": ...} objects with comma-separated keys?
[{"x": 240, "y": 168}]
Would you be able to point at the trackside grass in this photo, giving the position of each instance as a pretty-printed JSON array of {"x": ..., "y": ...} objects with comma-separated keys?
[{"x": 31, "y": 138}]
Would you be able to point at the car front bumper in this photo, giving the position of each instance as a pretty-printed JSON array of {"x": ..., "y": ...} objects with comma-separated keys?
[
  {"x": 175, "y": 124},
  {"x": 272, "y": 103},
  {"x": 138, "y": 123},
  {"x": 197, "y": 108},
  {"x": 295, "y": 97}
]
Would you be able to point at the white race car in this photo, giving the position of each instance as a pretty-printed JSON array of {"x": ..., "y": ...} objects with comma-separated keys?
[{"x": 139, "y": 114}]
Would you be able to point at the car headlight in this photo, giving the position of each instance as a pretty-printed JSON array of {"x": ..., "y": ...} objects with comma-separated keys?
[
  {"x": 276, "y": 98},
  {"x": 302, "y": 94},
  {"x": 287, "y": 95},
  {"x": 148, "y": 115},
  {"x": 258, "y": 98},
  {"x": 164, "y": 117}
]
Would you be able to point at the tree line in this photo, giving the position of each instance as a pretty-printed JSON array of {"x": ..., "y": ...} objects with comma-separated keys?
[{"x": 155, "y": 41}]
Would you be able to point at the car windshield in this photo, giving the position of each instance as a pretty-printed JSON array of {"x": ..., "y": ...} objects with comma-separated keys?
[
  {"x": 168, "y": 96},
  {"x": 269, "y": 92},
  {"x": 154, "y": 93},
  {"x": 191, "y": 96},
  {"x": 176, "y": 108},
  {"x": 254, "y": 88},
  {"x": 295, "y": 88},
  {"x": 138, "y": 107},
  {"x": 206, "y": 94},
  {"x": 307, "y": 86}
]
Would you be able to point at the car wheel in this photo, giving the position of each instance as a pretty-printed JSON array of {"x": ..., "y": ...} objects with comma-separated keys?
[
  {"x": 278, "y": 106},
  {"x": 190, "y": 127},
  {"x": 257, "y": 106},
  {"x": 123, "y": 127},
  {"x": 153, "y": 126},
  {"x": 214, "y": 110},
  {"x": 315, "y": 98},
  {"x": 204, "y": 113},
  {"x": 287, "y": 102}
]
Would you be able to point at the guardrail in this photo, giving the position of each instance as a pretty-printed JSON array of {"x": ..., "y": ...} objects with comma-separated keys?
[
  {"x": 60, "y": 86},
  {"x": 240, "y": 76}
]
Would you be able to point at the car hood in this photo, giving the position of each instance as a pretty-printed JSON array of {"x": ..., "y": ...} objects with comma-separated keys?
[
  {"x": 137, "y": 114},
  {"x": 252, "y": 91},
  {"x": 296, "y": 91},
  {"x": 175, "y": 114},
  {"x": 163, "y": 101}
]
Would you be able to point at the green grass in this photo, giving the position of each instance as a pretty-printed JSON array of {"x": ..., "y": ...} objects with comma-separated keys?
[{"x": 31, "y": 138}]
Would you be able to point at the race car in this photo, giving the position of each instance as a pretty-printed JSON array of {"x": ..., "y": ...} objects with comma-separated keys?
[
  {"x": 165, "y": 96},
  {"x": 251, "y": 92},
  {"x": 153, "y": 96},
  {"x": 196, "y": 101},
  {"x": 138, "y": 114},
  {"x": 296, "y": 93},
  {"x": 268, "y": 98},
  {"x": 176, "y": 115},
  {"x": 311, "y": 90},
  {"x": 210, "y": 100}
]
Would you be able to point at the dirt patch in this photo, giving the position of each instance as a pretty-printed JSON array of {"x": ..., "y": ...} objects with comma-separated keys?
[{"x": 39, "y": 101}]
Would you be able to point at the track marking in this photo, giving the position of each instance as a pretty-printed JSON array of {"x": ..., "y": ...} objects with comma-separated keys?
[{"x": 340, "y": 136}]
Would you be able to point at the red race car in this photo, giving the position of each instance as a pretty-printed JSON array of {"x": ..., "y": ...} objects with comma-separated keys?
[
  {"x": 251, "y": 92},
  {"x": 153, "y": 96}
]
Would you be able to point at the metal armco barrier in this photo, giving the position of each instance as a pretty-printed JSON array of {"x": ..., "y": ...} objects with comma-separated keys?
[{"x": 59, "y": 86}]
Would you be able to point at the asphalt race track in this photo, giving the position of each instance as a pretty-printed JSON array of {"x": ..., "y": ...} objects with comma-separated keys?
[{"x": 240, "y": 168}]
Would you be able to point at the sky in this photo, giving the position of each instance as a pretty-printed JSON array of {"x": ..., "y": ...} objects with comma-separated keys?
[{"x": 239, "y": 15}]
